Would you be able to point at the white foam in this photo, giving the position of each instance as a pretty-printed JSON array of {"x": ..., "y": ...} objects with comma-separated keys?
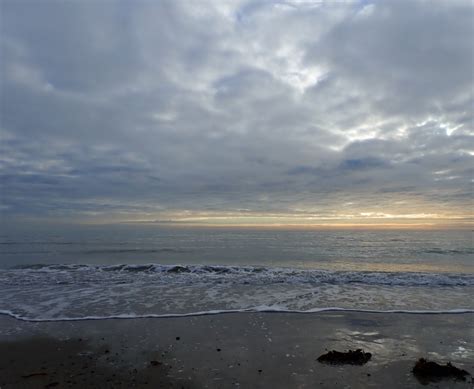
[
  {"x": 263, "y": 309},
  {"x": 87, "y": 292}
]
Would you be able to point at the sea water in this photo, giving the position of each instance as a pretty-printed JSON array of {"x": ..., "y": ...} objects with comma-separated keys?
[{"x": 152, "y": 271}]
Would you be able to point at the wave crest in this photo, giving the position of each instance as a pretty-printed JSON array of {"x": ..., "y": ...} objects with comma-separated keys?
[{"x": 239, "y": 274}]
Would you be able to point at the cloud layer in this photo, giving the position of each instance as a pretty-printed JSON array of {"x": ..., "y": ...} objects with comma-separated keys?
[{"x": 174, "y": 110}]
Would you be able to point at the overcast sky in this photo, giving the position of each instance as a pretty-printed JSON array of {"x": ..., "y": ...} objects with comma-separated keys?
[{"x": 237, "y": 111}]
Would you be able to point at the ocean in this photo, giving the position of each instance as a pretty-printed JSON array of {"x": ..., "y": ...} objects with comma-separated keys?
[{"x": 93, "y": 272}]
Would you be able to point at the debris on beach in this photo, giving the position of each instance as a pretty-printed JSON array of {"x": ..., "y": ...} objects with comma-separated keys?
[
  {"x": 357, "y": 357},
  {"x": 427, "y": 371}
]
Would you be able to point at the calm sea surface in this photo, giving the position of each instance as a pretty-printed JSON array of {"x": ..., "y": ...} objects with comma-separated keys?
[{"x": 126, "y": 270}]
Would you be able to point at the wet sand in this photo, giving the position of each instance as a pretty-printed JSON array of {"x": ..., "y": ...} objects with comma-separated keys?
[{"x": 246, "y": 350}]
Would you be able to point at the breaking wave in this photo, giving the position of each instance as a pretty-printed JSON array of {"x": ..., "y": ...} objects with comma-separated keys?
[
  {"x": 87, "y": 292},
  {"x": 239, "y": 274}
]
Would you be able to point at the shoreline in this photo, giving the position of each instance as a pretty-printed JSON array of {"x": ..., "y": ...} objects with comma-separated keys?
[
  {"x": 457, "y": 311},
  {"x": 244, "y": 349}
]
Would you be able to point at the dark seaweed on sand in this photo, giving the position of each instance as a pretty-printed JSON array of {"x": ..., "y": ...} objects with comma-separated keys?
[
  {"x": 357, "y": 357},
  {"x": 427, "y": 371}
]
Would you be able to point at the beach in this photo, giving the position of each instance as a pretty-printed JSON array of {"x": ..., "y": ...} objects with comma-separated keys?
[{"x": 246, "y": 350}]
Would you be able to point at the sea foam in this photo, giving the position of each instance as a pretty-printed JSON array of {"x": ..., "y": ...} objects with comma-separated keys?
[{"x": 80, "y": 292}]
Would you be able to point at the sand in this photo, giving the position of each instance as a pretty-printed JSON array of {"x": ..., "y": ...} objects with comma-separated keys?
[{"x": 246, "y": 350}]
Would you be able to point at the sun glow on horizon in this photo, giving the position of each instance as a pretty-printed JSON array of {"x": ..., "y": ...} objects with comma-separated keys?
[{"x": 368, "y": 219}]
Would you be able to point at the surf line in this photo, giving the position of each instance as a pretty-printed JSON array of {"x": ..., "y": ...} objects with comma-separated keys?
[{"x": 233, "y": 311}]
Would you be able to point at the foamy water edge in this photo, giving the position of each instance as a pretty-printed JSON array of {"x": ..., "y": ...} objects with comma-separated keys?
[{"x": 229, "y": 311}]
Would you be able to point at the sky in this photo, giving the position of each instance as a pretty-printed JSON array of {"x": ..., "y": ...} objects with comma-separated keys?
[{"x": 244, "y": 112}]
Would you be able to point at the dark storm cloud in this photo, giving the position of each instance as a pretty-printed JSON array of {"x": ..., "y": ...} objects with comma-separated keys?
[{"x": 281, "y": 106}]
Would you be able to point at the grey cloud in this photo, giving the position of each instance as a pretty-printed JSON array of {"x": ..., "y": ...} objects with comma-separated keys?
[
  {"x": 407, "y": 58},
  {"x": 76, "y": 46},
  {"x": 266, "y": 106}
]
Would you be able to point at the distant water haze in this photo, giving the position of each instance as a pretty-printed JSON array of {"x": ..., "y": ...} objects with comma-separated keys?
[{"x": 385, "y": 250}]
